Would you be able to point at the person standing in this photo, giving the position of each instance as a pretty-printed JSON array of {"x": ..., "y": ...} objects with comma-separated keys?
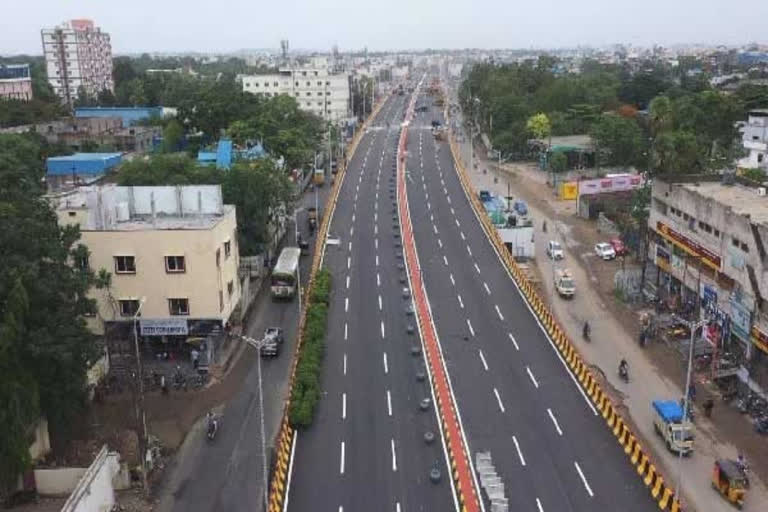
[{"x": 195, "y": 358}]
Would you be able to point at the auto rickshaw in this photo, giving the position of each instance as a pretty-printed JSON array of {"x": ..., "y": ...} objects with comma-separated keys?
[{"x": 729, "y": 480}]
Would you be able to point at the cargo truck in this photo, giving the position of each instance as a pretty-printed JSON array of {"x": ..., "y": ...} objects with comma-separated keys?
[{"x": 668, "y": 424}]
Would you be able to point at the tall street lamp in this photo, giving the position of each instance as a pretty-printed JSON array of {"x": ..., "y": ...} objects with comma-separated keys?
[{"x": 141, "y": 415}]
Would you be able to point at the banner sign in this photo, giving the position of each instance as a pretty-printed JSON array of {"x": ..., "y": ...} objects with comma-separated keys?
[
  {"x": 616, "y": 183},
  {"x": 740, "y": 320},
  {"x": 760, "y": 339},
  {"x": 709, "y": 258},
  {"x": 163, "y": 327}
]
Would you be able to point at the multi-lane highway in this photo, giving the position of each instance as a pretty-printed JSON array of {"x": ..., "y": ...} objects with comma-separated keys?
[
  {"x": 366, "y": 449},
  {"x": 514, "y": 393}
]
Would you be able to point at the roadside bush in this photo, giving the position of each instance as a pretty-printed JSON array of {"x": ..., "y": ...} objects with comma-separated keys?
[{"x": 306, "y": 387}]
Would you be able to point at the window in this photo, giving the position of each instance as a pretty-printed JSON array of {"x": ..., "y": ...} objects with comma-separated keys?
[
  {"x": 319, "y": 103},
  {"x": 304, "y": 73},
  {"x": 297, "y": 84},
  {"x": 315, "y": 73},
  {"x": 128, "y": 307},
  {"x": 230, "y": 288},
  {"x": 744, "y": 247},
  {"x": 320, "y": 93},
  {"x": 717, "y": 232},
  {"x": 175, "y": 264},
  {"x": 309, "y": 93},
  {"x": 327, "y": 83},
  {"x": 178, "y": 307},
  {"x": 735, "y": 241},
  {"x": 125, "y": 265},
  {"x": 309, "y": 83},
  {"x": 319, "y": 84},
  {"x": 218, "y": 257},
  {"x": 276, "y": 84},
  {"x": 227, "y": 248},
  {"x": 685, "y": 216},
  {"x": 760, "y": 158},
  {"x": 327, "y": 93},
  {"x": 298, "y": 94}
]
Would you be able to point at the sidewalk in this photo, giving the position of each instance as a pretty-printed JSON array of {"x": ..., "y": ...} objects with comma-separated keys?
[{"x": 614, "y": 339}]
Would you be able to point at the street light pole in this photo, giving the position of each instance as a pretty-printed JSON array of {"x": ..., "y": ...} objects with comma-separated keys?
[
  {"x": 257, "y": 344},
  {"x": 141, "y": 415}
]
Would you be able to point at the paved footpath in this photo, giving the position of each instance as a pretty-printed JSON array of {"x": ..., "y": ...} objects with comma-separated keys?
[{"x": 646, "y": 382}]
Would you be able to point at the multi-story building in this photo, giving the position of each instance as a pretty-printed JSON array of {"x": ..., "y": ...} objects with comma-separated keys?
[
  {"x": 755, "y": 140},
  {"x": 317, "y": 91},
  {"x": 709, "y": 241},
  {"x": 171, "y": 251},
  {"x": 78, "y": 54},
  {"x": 15, "y": 82}
]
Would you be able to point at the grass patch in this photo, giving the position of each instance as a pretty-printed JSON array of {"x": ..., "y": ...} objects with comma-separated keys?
[{"x": 305, "y": 392}]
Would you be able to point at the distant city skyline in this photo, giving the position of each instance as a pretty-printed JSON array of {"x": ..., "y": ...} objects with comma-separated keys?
[{"x": 173, "y": 26}]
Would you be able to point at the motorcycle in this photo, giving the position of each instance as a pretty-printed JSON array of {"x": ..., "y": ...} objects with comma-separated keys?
[
  {"x": 213, "y": 428},
  {"x": 586, "y": 332},
  {"x": 624, "y": 373}
]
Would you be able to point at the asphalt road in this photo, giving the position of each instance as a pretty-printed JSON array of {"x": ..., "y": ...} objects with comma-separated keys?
[
  {"x": 366, "y": 449},
  {"x": 226, "y": 475},
  {"x": 515, "y": 396}
]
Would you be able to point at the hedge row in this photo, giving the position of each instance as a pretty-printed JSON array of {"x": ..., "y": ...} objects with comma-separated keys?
[{"x": 306, "y": 385}]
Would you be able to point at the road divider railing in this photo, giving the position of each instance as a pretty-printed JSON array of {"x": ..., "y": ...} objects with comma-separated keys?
[
  {"x": 457, "y": 451},
  {"x": 636, "y": 454},
  {"x": 286, "y": 434}
]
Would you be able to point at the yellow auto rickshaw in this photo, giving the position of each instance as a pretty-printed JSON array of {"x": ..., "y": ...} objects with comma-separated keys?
[{"x": 729, "y": 480}]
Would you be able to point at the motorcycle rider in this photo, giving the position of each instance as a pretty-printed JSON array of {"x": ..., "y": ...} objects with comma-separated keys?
[
  {"x": 586, "y": 330},
  {"x": 624, "y": 368},
  {"x": 212, "y": 423}
]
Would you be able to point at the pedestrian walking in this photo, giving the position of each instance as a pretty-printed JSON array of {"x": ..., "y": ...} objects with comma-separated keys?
[
  {"x": 708, "y": 405},
  {"x": 692, "y": 392},
  {"x": 195, "y": 359}
]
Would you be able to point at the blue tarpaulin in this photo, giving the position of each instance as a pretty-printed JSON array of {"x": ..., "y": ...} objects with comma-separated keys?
[{"x": 82, "y": 163}]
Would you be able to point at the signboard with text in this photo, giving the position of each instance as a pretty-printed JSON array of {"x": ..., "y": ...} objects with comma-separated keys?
[
  {"x": 163, "y": 327},
  {"x": 760, "y": 338},
  {"x": 693, "y": 248},
  {"x": 616, "y": 183}
]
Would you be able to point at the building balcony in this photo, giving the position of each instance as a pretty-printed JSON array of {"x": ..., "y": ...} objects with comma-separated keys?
[{"x": 756, "y": 145}]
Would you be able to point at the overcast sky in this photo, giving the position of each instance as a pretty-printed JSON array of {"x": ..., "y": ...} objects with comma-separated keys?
[{"x": 227, "y": 25}]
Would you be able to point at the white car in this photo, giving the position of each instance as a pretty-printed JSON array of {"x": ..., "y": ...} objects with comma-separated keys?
[
  {"x": 605, "y": 251},
  {"x": 555, "y": 250}
]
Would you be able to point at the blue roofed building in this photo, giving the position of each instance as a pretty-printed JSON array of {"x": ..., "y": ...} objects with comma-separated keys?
[
  {"x": 78, "y": 169},
  {"x": 226, "y": 154},
  {"x": 129, "y": 115}
]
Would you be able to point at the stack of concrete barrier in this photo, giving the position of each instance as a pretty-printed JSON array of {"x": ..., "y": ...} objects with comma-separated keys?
[
  {"x": 286, "y": 433},
  {"x": 636, "y": 455},
  {"x": 491, "y": 482}
]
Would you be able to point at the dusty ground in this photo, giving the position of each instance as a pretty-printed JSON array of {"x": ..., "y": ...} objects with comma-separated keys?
[{"x": 728, "y": 423}]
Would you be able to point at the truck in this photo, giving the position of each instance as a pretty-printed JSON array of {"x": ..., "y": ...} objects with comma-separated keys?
[
  {"x": 318, "y": 178},
  {"x": 564, "y": 284},
  {"x": 668, "y": 424}
]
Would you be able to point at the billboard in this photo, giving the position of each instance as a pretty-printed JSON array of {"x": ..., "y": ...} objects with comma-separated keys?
[
  {"x": 613, "y": 183},
  {"x": 569, "y": 190},
  {"x": 691, "y": 247}
]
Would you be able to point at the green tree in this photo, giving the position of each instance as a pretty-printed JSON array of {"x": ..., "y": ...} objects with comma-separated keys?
[
  {"x": 538, "y": 126},
  {"x": 173, "y": 133},
  {"x": 45, "y": 348},
  {"x": 618, "y": 141}
]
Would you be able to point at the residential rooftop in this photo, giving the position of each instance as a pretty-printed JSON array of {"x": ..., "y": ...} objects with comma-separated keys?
[{"x": 742, "y": 200}]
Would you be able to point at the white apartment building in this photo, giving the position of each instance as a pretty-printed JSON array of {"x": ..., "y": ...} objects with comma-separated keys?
[
  {"x": 172, "y": 247},
  {"x": 317, "y": 91},
  {"x": 78, "y": 54},
  {"x": 755, "y": 140},
  {"x": 710, "y": 239}
]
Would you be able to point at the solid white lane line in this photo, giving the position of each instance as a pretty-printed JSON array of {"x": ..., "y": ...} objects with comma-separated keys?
[
  {"x": 583, "y": 479},
  {"x": 389, "y": 403},
  {"x": 386, "y": 364},
  {"x": 349, "y": 262},
  {"x": 380, "y": 306},
  {"x": 519, "y": 452},
  {"x": 378, "y": 279},
  {"x": 341, "y": 466},
  {"x": 345, "y": 364},
  {"x": 538, "y": 504},
  {"x": 477, "y": 268},
  {"x": 394, "y": 457},
  {"x": 440, "y": 243},
  {"x": 343, "y": 406},
  {"x": 471, "y": 330},
  {"x": 498, "y": 399},
  {"x": 498, "y": 312},
  {"x": 345, "y": 331},
  {"x": 485, "y": 285},
  {"x": 445, "y": 260},
  {"x": 462, "y": 235},
  {"x": 382, "y": 329},
  {"x": 482, "y": 358},
  {"x": 554, "y": 420},
  {"x": 514, "y": 342},
  {"x": 346, "y": 304},
  {"x": 461, "y": 302},
  {"x": 530, "y": 374},
  {"x": 377, "y": 260}
]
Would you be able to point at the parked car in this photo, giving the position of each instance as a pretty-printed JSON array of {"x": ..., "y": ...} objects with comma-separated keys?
[
  {"x": 555, "y": 250},
  {"x": 605, "y": 251},
  {"x": 618, "y": 247}
]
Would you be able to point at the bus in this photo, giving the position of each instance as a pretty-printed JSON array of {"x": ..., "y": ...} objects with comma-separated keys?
[{"x": 285, "y": 275}]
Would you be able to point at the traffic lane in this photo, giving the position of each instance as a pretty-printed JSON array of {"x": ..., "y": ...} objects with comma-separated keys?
[
  {"x": 596, "y": 443},
  {"x": 494, "y": 419},
  {"x": 321, "y": 446}
]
